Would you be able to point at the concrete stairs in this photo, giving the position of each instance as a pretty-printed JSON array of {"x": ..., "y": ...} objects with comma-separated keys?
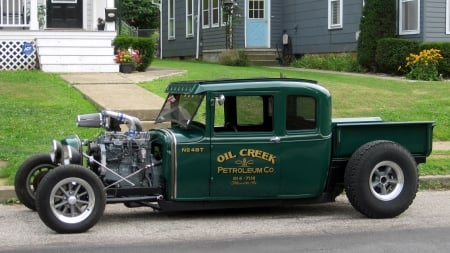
[
  {"x": 76, "y": 52},
  {"x": 262, "y": 56},
  {"x": 256, "y": 56}
]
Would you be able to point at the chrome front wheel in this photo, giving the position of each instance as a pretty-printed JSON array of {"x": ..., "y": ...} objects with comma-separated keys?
[{"x": 70, "y": 199}]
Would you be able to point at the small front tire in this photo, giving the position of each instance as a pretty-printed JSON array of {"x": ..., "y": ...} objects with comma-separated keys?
[
  {"x": 381, "y": 179},
  {"x": 70, "y": 199},
  {"x": 29, "y": 176}
]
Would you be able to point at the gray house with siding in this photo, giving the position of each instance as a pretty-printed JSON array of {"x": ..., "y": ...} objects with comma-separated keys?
[{"x": 196, "y": 28}]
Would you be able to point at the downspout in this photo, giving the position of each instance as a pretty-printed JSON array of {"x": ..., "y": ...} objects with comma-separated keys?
[
  {"x": 197, "y": 52},
  {"x": 160, "y": 31}
]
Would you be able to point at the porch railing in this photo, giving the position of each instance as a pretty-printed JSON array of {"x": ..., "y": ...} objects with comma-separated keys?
[{"x": 19, "y": 13}]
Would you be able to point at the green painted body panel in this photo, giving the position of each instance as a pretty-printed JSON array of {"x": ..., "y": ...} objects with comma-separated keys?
[
  {"x": 204, "y": 164},
  {"x": 414, "y": 136}
]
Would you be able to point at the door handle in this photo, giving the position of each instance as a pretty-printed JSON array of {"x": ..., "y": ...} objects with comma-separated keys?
[{"x": 275, "y": 139}]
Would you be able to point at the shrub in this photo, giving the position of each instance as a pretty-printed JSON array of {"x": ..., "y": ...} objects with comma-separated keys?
[
  {"x": 444, "y": 64},
  {"x": 424, "y": 66},
  {"x": 377, "y": 22},
  {"x": 233, "y": 57},
  {"x": 336, "y": 62},
  {"x": 391, "y": 54},
  {"x": 146, "y": 47}
]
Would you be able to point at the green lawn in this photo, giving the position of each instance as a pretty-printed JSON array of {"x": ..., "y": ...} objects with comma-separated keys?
[{"x": 36, "y": 107}]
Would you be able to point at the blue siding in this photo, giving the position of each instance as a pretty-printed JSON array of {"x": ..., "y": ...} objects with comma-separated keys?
[
  {"x": 181, "y": 45},
  {"x": 433, "y": 21},
  {"x": 306, "y": 21},
  {"x": 312, "y": 35}
]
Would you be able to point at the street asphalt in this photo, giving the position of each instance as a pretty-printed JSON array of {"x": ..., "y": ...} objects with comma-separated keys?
[{"x": 120, "y": 92}]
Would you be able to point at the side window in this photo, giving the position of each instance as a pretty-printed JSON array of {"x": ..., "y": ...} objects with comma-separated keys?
[
  {"x": 244, "y": 114},
  {"x": 300, "y": 113}
]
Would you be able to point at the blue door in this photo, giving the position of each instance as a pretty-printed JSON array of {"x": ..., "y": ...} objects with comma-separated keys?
[{"x": 257, "y": 24}]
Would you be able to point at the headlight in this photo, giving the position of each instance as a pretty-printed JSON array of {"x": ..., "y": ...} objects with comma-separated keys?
[
  {"x": 71, "y": 155},
  {"x": 64, "y": 154},
  {"x": 56, "y": 153}
]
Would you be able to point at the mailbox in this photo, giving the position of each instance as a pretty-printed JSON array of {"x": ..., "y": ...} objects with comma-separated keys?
[{"x": 110, "y": 14}]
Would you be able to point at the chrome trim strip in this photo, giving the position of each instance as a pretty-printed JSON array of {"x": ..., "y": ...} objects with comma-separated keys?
[{"x": 174, "y": 165}]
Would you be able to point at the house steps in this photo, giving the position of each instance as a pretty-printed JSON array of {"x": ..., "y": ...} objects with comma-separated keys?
[
  {"x": 262, "y": 57},
  {"x": 77, "y": 52},
  {"x": 256, "y": 56}
]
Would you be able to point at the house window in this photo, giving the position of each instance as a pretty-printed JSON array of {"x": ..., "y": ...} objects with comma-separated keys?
[
  {"x": 334, "y": 14},
  {"x": 256, "y": 9},
  {"x": 447, "y": 18},
  {"x": 205, "y": 13},
  {"x": 189, "y": 18},
  {"x": 409, "y": 17},
  {"x": 215, "y": 13},
  {"x": 171, "y": 21}
]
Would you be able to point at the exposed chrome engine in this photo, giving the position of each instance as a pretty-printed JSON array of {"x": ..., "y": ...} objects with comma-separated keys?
[{"x": 121, "y": 159}]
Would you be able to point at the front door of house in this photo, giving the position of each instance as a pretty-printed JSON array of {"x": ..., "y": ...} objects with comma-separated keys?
[
  {"x": 257, "y": 24},
  {"x": 64, "y": 13}
]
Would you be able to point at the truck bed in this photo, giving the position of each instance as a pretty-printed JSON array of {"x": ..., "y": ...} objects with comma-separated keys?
[{"x": 350, "y": 133}]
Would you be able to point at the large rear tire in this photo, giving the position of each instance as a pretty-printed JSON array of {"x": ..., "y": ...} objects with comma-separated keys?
[
  {"x": 381, "y": 179},
  {"x": 29, "y": 176},
  {"x": 70, "y": 199}
]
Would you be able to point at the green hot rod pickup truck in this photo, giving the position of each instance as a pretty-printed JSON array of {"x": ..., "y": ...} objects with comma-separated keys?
[{"x": 231, "y": 143}]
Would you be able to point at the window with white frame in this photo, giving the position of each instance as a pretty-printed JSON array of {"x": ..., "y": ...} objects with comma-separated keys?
[
  {"x": 447, "y": 17},
  {"x": 256, "y": 9},
  {"x": 205, "y": 15},
  {"x": 189, "y": 18},
  {"x": 335, "y": 14},
  {"x": 409, "y": 15},
  {"x": 171, "y": 19},
  {"x": 215, "y": 13}
]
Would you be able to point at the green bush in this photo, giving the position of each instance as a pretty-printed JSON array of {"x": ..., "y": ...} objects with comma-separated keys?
[
  {"x": 146, "y": 47},
  {"x": 444, "y": 64},
  {"x": 233, "y": 57},
  {"x": 391, "y": 54},
  {"x": 377, "y": 22},
  {"x": 336, "y": 62}
]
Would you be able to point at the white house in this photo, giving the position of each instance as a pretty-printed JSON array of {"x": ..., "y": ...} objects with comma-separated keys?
[{"x": 57, "y": 35}]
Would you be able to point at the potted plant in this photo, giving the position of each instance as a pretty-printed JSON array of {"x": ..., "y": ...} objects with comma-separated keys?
[
  {"x": 128, "y": 59},
  {"x": 100, "y": 24}
]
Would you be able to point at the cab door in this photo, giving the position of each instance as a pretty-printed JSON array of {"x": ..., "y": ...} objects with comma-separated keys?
[
  {"x": 306, "y": 146},
  {"x": 244, "y": 147}
]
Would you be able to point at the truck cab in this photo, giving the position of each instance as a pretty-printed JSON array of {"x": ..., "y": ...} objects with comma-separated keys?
[{"x": 247, "y": 139}]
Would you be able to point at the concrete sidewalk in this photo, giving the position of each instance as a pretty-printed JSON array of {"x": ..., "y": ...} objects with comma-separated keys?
[{"x": 119, "y": 92}]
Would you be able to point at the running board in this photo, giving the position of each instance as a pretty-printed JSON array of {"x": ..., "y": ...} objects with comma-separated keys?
[{"x": 134, "y": 199}]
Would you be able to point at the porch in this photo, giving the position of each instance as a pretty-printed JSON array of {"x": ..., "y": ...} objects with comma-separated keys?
[
  {"x": 19, "y": 14},
  {"x": 26, "y": 44}
]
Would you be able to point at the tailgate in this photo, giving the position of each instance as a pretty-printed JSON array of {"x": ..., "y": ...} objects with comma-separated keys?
[{"x": 417, "y": 137}]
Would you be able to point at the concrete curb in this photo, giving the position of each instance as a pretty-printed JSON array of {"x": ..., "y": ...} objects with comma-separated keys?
[{"x": 7, "y": 192}]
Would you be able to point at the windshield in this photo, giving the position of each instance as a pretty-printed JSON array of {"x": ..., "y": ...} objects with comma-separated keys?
[{"x": 180, "y": 108}]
